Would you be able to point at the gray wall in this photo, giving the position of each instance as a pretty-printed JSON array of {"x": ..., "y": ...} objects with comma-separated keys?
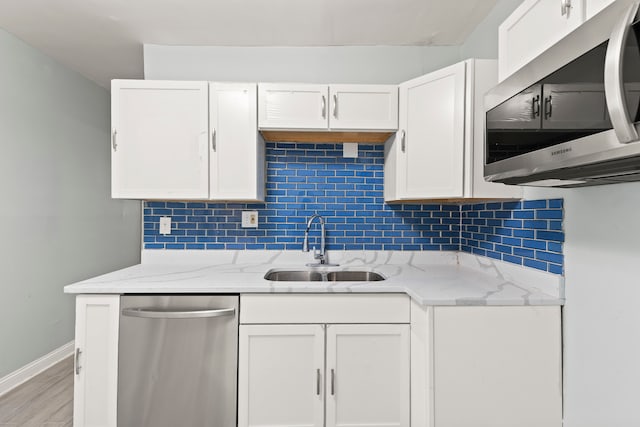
[
  {"x": 334, "y": 64},
  {"x": 483, "y": 41},
  {"x": 601, "y": 317},
  {"x": 58, "y": 223}
]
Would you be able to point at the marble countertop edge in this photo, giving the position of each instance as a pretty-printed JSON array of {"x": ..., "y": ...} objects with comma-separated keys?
[{"x": 429, "y": 278}]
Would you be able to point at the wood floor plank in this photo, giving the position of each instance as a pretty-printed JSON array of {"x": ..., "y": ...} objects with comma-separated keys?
[{"x": 44, "y": 401}]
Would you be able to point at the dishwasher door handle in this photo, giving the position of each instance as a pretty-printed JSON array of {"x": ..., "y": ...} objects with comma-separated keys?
[{"x": 160, "y": 313}]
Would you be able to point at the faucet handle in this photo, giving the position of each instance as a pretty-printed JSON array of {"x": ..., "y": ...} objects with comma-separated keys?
[{"x": 316, "y": 254}]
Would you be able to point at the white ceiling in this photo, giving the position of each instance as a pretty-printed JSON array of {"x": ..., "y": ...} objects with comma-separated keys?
[{"x": 102, "y": 39}]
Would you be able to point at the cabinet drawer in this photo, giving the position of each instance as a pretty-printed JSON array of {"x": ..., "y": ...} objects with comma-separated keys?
[{"x": 324, "y": 308}]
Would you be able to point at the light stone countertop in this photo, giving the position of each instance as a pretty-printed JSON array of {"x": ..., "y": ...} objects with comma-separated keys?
[{"x": 429, "y": 278}]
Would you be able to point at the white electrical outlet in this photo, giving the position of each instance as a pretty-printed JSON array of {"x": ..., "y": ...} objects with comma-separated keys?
[
  {"x": 249, "y": 219},
  {"x": 165, "y": 225}
]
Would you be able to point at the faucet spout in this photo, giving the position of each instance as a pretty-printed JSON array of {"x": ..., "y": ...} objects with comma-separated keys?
[{"x": 320, "y": 256}]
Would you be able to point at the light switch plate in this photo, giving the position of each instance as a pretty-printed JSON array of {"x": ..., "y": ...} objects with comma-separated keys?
[
  {"x": 249, "y": 219},
  {"x": 165, "y": 225}
]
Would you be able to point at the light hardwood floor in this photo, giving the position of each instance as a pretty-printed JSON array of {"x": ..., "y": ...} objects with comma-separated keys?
[{"x": 46, "y": 400}]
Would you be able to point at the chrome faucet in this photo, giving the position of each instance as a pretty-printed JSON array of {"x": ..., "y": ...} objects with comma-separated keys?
[{"x": 321, "y": 255}]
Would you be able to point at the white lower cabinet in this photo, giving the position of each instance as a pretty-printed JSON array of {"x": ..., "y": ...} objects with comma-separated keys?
[
  {"x": 288, "y": 374},
  {"x": 425, "y": 367},
  {"x": 281, "y": 368},
  {"x": 497, "y": 367},
  {"x": 367, "y": 375},
  {"x": 333, "y": 375},
  {"x": 96, "y": 361}
]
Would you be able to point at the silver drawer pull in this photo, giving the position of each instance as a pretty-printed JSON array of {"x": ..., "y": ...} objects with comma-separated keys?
[
  {"x": 333, "y": 382},
  {"x": 159, "y": 313},
  {"x": 78, "y": 351},
  {"x": 318, "y": 379}
]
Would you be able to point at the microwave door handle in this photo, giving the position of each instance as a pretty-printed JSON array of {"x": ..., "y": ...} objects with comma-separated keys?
[{"x": 613, "y": 78}]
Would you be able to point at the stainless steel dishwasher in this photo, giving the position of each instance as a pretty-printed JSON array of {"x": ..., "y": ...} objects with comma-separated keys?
[{"x": 177, "y": 363}]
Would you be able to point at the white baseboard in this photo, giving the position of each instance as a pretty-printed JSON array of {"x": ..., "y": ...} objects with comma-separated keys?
[{"x": 14, "y": 379}]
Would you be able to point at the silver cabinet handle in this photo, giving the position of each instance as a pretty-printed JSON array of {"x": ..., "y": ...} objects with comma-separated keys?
[
  {"x": 160, "y": 313},
  {"x": 318, "y": 379},
  {"x": 113, "y": 140},
  {"x": 403, "y": 144},
  {"x": 613, "y": 79},
  {"x": 213, "y": 139},
  {"x": 548, "y": 107},
  {"x": 324, "y": 107},
  {"x": 535, "y": 107},
  {"x": 565, "y": 7},
  {"x": 78, "y": 361},
  {"x": 335, "y": 105},
  {"x": 333, "y": 382}
]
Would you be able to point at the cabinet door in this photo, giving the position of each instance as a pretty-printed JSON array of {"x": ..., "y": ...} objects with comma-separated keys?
[
  {"x": 497, "y": 366},
  {"x": 367, "y": 381},
  {"x": 592, "y": 7},
  {"x": 293, "y": 106},
  {"x": 96, "y": 361},
  {"x": 280, "y": 377},
  {"x": 237, "y": 150},
  {"x": 159, "y": 140},
  {"x": 532, "y": 28},
  {"x": 363, "y": 107},
  {"x": 430, "y": 153}
]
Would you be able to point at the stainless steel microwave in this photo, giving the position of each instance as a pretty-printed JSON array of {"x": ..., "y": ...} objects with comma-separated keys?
[{"x": 571, "y": 117}]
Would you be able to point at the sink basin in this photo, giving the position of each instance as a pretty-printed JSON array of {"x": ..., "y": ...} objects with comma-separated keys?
[
  {"x": 354, "y": 276},
  {"x": 294, "y": 276},
  {"x": 323, "y": 276}
]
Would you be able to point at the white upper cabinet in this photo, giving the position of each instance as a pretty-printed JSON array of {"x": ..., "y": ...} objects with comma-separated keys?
[
  {"x": 184, "y": 140},
  {"x": 592, "y": 7},
  {"x": 307, "y": 107},
  {"x": 237, "y": 150},
  {"x": 532, "y": 28},
  {"x": 293, "y": 106},
  {"x": 431, "y": 136},
  {"x": 438, "y": 152},
  {"x": 159, "y": 139},
  {"x": 360, "y": 107}
]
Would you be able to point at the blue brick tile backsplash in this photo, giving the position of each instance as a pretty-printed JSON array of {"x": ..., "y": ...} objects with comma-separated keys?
[
  {"x": 528, "y": 233},
  {"x": 304, "y": 179}
]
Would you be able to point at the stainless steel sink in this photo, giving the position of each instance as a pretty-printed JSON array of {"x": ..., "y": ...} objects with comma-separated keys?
[
  {"x": 294, "y": 276},
  {"x": 354, "y": 276},
  {"x": 323, "y": 276}
]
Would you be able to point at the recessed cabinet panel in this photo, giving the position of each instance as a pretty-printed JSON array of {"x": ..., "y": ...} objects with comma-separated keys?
[
  {"x": 159, "y": 139},
  {"x": 281, "y": 374},
  {"x": 533, "y": 27},
  {"x": 592, "y": 7},
  {"x": 366, "y": 107},
  {"x": 368, "y": 375},
  {"x": 293, "y": 106},
  {"x": 438, "y": 152},
  {"x": 497, "y": 366},
  {"x": 96, "y": 361},
  {"x": 237, "y": 149},
  {"x": 432, "y": 135}
]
